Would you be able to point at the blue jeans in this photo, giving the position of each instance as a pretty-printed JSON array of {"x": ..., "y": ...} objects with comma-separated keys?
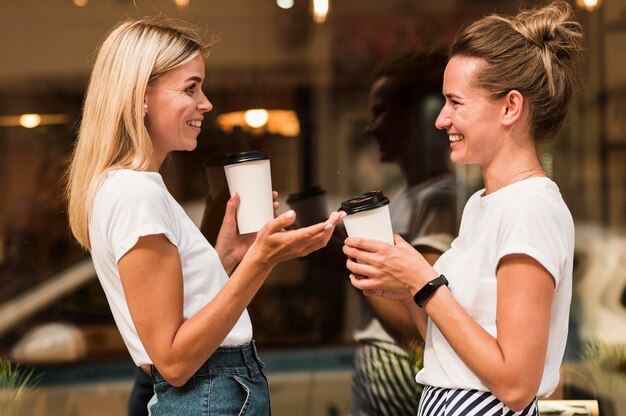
[{"x": 230, "y": 382}]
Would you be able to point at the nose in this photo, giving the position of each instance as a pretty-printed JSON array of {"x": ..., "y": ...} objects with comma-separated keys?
[
  {"x": 204, "y": 104},
  {"x": 443, "y": 119}
]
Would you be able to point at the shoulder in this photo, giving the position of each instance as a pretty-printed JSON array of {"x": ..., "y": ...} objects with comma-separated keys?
[
  {"x": 539, "y": 197},
  {"x": 131, "y": 185},
  {"x": 437, "y": 191},
  {"x": 536, "y": 211}
]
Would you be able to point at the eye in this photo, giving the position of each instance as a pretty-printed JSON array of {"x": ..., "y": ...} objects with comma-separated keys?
[
  {"x": 191, "y": 89},
  {"x": 376, "y": 112}
]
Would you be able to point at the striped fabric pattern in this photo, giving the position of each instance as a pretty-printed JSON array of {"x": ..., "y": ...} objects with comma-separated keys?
[
  {"x": 383, "y": 383},
  {"x": 438, "y": 401}
]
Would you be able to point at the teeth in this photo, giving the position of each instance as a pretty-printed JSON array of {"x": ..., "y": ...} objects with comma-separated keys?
[
  {"x": 455, "y": 137},
  {"x": 195, "y": 123}
]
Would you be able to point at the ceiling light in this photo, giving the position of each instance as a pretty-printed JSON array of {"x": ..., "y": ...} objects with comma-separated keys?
[
  {"x": 280, "y": 122},
  {"x": 30, "y": 121},
  {"x": 256, "y": 118},
  {"x": 80, "y": 3},
  {"x": 284, "y": 4},
  {"x": 182, "y": 3},
  {"x": 320, "y": 10},
  {"x": 589, "y": 5}
]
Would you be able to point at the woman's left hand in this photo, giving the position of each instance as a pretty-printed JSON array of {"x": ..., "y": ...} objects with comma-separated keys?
[
  {"x": 230, "y": 245},
  {"x": 393, "y": 271}
]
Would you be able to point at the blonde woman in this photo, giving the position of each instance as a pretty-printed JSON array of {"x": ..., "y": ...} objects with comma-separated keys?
[
  {"x": 179, "y": 303},
  {"x": 494, "y": 308}
]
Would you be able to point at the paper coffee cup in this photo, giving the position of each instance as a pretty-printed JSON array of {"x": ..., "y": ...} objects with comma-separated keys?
[
  {"x": 249, "y": 174},
  {"x": 368, "y": 217},
  {"x": 310, "y": 206}
]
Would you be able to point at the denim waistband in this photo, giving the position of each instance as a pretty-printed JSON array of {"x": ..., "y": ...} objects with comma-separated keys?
[{"x": 241, "y": 360}]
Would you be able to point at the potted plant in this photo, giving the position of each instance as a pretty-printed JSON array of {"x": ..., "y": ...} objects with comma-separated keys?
[{"x": 16, "y": 385}]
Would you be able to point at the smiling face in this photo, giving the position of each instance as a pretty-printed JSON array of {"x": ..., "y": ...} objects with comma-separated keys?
[
  {"x": 176, "y": 107},
  {"x": 470, "y": 116}
]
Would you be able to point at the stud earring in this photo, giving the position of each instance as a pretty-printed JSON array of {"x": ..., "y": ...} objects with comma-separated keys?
[{"x": 145, "y": 107}]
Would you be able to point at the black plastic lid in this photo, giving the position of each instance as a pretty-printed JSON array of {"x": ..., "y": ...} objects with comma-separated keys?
[
  {"x": 304, "y": 194},
  {"x": 249, "y": 156},
  {"x": 364, "y": 202}
]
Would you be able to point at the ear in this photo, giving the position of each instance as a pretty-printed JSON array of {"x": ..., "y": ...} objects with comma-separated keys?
[{"x": 513, "y": 107}]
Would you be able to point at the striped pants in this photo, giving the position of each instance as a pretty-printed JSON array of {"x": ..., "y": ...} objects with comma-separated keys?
[
  {"x": 439, "y": 401},
  {"x": 383, "y": 383}
]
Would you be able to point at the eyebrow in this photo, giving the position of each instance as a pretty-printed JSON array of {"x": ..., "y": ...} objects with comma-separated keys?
[
  {"x": 194, "y": 78},
  {"x": 451, "y": 95}
]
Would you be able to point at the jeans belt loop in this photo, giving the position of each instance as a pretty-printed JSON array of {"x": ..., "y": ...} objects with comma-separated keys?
[
  {"x": 256, "y": 354},
  {"x": 246, "y": 360}
]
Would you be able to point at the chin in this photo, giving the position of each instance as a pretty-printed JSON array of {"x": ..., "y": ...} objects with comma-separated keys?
[
  {"x": 191, "y": 146},
  {"x": 458, "y": 160},
  {"x": 387, "y": 158}
]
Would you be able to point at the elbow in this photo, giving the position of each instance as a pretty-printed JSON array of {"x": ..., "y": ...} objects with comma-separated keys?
[
  {"x": 517, "y": 399},
  {"x": 174, "y": 374}
]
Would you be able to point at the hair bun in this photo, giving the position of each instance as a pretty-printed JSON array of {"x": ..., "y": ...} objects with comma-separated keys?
[{"x": 551, "y": 28}]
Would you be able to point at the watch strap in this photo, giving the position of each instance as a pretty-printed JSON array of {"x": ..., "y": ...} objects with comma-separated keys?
[{"x": 428, "y": 289}]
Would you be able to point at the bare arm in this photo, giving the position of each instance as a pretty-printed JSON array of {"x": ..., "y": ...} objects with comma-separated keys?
[
  {"x": 525, "y": 291},
  {"x": 403, "y": 320},
  {"x": 151, "y": 275}
]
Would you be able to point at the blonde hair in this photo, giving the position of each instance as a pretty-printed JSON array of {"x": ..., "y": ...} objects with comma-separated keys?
[
  {"x": 534, "y": 53},
  {"x": 112, "y": 134}
]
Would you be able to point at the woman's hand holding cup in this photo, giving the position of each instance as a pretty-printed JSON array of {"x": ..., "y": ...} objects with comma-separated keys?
[{"x": 394, "y": 271}]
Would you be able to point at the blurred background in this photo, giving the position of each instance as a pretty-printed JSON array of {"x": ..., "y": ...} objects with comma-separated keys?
[{"x": 308, "y": 65}]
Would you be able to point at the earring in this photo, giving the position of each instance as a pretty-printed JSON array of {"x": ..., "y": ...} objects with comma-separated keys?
[{"x": 145, "y": 107}]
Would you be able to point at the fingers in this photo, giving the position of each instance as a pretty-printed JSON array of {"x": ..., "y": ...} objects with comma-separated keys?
[
  {"x": 389, "y": 294},
  {"x": 365, "y": 244},
  {"x": 280, "y": 222},
  {"x": 361, "y": 283},
  {"x": 361, "y": 269},
  {"x": 364, "y": 257},
  {"x": 316, "y": 236},
  {"x": 399, "y": 241},
  {"x": 275, "y": 207},
  {"x": 334, "y": 219},
  {"x": 231, "y": 208},
  {"x": 322, "y": 227}
]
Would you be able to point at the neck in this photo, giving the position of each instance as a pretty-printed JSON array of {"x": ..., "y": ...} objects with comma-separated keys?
[{"x": 499, "y": 175}]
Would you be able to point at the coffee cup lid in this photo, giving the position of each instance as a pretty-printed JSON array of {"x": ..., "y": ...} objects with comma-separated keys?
[
  {"x": 306, "y": 193},
  {"x": 364, "y": 202},
  {"x": 245, "y": 157}
]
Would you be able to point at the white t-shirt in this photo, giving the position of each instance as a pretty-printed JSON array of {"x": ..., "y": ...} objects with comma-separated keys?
[
  {"x": 425, "y": 215},
  {"x": 130, "y": 204},
  {"x": 528, "y": 217}
]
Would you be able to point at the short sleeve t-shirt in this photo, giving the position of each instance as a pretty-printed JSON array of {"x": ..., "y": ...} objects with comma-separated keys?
[
  {"x": 527, "y": 217},
  {"x": 131, "y": 204}
]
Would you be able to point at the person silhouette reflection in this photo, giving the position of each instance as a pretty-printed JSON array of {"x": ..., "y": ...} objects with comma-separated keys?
[{"x": 404, "y": 100}]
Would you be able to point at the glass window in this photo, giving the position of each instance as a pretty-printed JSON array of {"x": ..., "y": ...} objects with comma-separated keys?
[{"x": 315, "y": 77}]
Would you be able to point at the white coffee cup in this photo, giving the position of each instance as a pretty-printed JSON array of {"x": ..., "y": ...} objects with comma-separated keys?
[
  {"x": 310, "y": 206},
  {"x": 249, "y": 174},
  {"x": 368, "y": 217}
]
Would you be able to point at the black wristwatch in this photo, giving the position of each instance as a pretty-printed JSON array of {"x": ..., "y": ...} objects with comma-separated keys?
[{"x": 429, "y": 288}]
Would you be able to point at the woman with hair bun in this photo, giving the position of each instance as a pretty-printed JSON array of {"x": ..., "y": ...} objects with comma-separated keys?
[
  {"x": 179, "y": 303},
  {"x": 494, "y": 308}
]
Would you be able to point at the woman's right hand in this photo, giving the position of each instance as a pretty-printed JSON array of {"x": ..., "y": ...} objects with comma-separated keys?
[{"x": 275, "y": 244}]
